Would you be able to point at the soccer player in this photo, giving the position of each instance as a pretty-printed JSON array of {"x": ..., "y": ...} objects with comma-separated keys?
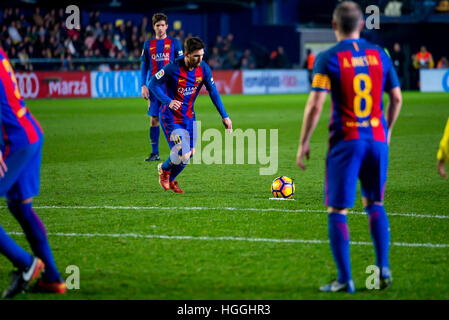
[
  {"x": 157, "y": 53},
  {"x": 20, "y": 160},
  {"x": 443, "y": 152},
  {"x": 183, "y": 79},
  {"x": 356, "y": 73}
]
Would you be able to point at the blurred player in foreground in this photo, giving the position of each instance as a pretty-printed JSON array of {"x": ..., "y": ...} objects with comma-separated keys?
[
  {"x": 157, "y": 53},
  {"x": 356, "y": 73},
  {"x": 20, "y": 162},
  {"x": 183, "y": 79},
  {"x": 443, "y": 152}
]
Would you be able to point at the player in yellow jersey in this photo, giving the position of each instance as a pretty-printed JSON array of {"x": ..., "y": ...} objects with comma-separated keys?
[{"x": 443, "y": 151}]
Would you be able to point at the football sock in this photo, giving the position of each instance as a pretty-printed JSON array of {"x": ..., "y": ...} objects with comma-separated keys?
[
  {"x": 154, "y": 139},
  {"x": 167, "y": 165},
  {"x": 37, "y": 237},
  {"x": 380, "y": 233},
  {"x": 339, "y": 242},
  {"x": 176, "y": 170},
  {"x": 18, "y": 256}
]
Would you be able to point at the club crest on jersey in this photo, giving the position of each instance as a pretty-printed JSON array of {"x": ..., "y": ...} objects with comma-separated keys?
[
  {"x": 160, "y": 74},
  {"x": 167, "y": 46},
  {"x": 198, "y": 80}
]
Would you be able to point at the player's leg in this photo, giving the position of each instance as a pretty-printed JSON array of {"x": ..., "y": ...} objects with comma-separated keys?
[
  {"x": 373, "y": 175},
  {"x": 28, "y": 267},
  {"x": 20, "y": 258},
  {"x": 36, "y": 235},
  {"x": 15, "y": 162},
  {"x": 187, "y": 151},
  {"x": 19, "y": 199},
  {"x": 164, "y": 168},
  {"x": 153, "y": 112},
  {"x": 342, "y": 167}
]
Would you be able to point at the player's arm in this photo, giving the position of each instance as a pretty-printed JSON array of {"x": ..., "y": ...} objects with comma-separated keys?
[
  {"x": 392, "y": 86},
  {"x": 321, "y": 85},
  {"x": 178, "y": 49},
  {"x": 145, "y": 62},
  {"x": 157, "y": 87},
  {"x": 215, "y": 97},
  {"x": 312, "y": 113},
  {"x": 394, "y": 107},
  {"x": 3, "y": 167}
]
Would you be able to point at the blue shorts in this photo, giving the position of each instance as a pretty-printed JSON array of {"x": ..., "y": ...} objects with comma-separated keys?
[
  {"x": 180, "y": 136},
  {"x": 155, "y": 104},
  {"x": 349, "y": 161},
  {"x": 22, "y": 179}
]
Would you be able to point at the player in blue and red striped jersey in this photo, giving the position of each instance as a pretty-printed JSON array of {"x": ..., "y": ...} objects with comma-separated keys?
[
  {"x": 20, "y": 160},
  {"x": 183, "y": 80},
  {"x": 356, "y": 73},
  {"x": 156, "y": 54}
]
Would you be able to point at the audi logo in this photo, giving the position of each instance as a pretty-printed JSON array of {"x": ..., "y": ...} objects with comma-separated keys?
[{"x": 28, "y": 84}]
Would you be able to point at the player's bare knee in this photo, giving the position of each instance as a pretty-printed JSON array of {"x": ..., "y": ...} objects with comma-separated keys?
[
  {"x": 154, "y": 121},
  {"x": 338, "y": 210},
  {"x": 28, "y": 200},
  {"x": 368, "y": 202}
]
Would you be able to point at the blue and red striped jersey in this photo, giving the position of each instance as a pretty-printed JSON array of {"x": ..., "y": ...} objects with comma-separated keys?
[
  {"x": 356, "y": 73},
  {"x": 156, "y": 54},
  {"x": 184, "y": 85},
  {"x": 19, "y": 127}
]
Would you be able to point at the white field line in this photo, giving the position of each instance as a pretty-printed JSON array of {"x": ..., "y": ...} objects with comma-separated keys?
[
  {"x": 167, "y": 237},
  {"x": 180, "y": 209}
]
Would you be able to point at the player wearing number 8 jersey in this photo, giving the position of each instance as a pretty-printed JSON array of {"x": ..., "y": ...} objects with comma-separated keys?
[{"x": 356, "y": 73}]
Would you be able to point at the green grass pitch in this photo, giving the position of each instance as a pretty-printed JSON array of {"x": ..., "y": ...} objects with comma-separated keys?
[{"x": 224, "y": 238}]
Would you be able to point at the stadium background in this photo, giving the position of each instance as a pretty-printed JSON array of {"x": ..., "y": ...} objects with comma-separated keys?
[
  {"x": 224, "y": 239},
  {"x": 241, "y": 35}
]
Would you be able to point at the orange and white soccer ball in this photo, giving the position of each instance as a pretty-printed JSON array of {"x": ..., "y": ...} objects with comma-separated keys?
[{"x": 283, "y": 187}]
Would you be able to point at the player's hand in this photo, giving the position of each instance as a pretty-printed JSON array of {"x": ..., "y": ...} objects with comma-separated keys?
[
  {"x": 145, "y": 92},
  {"x": 441, "y": 170},
  {"x": 389, "y": 137},
  {"x": 228, "y": 124},
  {"x": 303, "y": 151},
  {"x": 3, "y": 167},
  {"x": 175, "y": 105}
]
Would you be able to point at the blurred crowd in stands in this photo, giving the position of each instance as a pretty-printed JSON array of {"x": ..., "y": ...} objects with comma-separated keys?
[
  {"x": 408, "y": 69},
  {"x": 223, "y": 55},
  {"x": 44, "y": 35},
  {"x": 26, "y": 35},
  {"x": 31, "y": 34}
]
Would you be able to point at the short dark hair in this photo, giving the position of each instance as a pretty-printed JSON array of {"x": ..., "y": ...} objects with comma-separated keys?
[
  {"x": 347, "y": 15},
  {"x": 159, "y": 17},
  {"x": 192, "y": 44}
]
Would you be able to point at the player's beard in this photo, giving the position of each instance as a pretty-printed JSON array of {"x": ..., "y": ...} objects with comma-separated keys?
[{"x": 193, "y": 64}]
